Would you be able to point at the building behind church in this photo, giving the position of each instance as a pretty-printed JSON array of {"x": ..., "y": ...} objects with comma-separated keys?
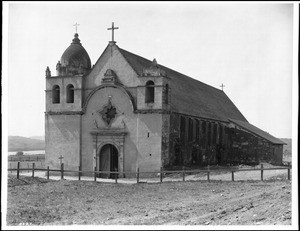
[{"x": 127, "y": 112}]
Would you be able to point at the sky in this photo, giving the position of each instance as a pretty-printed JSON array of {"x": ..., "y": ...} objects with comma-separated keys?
[{"x": 246, "y": 46}]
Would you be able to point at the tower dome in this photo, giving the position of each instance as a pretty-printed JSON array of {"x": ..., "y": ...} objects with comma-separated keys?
[{"x": 75, "y": 60}]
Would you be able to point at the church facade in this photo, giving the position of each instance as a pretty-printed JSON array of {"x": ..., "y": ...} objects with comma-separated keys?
[{"x": 127, "y": 112}]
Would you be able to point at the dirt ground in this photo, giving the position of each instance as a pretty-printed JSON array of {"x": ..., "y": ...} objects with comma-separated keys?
[{"x": 37, "y": 201}]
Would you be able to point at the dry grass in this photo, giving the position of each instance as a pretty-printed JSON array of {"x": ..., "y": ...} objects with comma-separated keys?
[{"x": 35, "y": 201}]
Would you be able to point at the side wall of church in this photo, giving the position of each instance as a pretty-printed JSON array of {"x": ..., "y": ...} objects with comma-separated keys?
[
  {"x": 243, "y": 147},
  {"x": 62, "y": 138},
  {"x": 199, "y": 142},
  {"x": 278, "y": 154}
]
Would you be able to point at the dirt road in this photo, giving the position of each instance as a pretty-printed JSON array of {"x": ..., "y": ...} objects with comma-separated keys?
[{"x": 36, "y": 201}]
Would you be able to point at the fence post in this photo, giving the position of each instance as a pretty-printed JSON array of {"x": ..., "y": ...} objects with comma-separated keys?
[
  {"x": 232, "y": 175},
  {"x": 79, "y": 173},
  {"x": 208, "y": 173},
  {"x": 32, "y": 169},
  {"x": 62, "y": 171},
  {"x": 183, "y": 173},
  {"x": 95, "y": 169},
  {"x": 289, "y": 171},
  {"x": 28, "y": 167},
  {"x": 138, "y": 176},
  {"x": 10, "y": 167},
  {"x": 161, "y": 174},
  {"x": 262, "y": 172},
  {"x": 116, "y": 177},
  {"x": 48, "y": 173},
  {"x": 18, "y": 170}
]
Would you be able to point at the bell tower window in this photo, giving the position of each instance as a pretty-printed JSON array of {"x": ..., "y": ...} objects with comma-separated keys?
[
  {"x": 149, "y": 92},
  {"x": 55, "y": 94},
  {"x": 70, "y": 93}
]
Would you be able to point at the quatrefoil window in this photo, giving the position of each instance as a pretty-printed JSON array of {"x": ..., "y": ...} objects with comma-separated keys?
[{"x": 108, "y": 113}]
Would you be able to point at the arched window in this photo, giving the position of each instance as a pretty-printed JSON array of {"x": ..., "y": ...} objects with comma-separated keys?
[
  {"x": 55, "y": 94},
  {"x": 70, "y": 93},
  {"x": 149, "y": 93}
]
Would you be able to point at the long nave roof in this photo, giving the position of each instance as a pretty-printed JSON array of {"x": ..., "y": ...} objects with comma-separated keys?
[{"x": 190, "y": 96}]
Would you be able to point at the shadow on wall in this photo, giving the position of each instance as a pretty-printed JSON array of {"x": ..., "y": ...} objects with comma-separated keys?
[{"x": 70, "y": 132}]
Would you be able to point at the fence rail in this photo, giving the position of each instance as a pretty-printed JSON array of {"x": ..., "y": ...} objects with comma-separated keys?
[{"x": 161, "y": 173}]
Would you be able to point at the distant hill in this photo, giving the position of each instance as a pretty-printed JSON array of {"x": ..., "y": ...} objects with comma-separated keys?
[
  {"x": 19, "y": 143},
  {"x": 37, "y": 137}
]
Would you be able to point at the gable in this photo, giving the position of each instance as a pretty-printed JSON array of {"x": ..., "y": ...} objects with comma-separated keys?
[{"x": 111, "y": 58}]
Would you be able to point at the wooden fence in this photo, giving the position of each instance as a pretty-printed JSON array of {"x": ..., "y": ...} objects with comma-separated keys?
[
  {"x": 161, "y": 173},
  {"x": 26, "y": 164}
]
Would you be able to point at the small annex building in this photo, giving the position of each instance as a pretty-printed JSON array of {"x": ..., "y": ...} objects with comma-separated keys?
[{"x": 127, "y": 112}]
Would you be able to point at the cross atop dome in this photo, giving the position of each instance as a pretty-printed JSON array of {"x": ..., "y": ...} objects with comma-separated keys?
[{"x": 76, "y": 25}]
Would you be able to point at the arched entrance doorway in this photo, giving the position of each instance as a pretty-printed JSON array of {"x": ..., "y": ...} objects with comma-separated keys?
[{"x": 108, "y": 160}]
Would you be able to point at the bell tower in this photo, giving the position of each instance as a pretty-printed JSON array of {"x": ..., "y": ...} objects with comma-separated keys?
[
  {"x": 153, "y": 94},
  {"x": 63, "y": 115}
]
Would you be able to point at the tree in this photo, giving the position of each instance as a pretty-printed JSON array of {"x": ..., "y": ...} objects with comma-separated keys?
[{"x": 19, "y": 153}]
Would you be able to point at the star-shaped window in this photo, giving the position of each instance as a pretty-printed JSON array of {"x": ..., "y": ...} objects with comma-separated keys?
[{"x": 108, "y": 113}]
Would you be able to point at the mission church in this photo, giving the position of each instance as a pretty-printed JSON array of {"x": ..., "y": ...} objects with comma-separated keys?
[{"x": 127, "y": 112}]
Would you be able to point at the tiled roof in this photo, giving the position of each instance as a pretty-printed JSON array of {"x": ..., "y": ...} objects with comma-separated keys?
[
  {"x": 251, "y": 128},
  {"x": 190, "y": 96}
]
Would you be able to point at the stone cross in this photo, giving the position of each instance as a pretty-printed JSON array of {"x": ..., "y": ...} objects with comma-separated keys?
[
  {"x": 76, "y": 24},
  {"x": 112, "y": 29},
  {"x": 222, "y": 86},
  {"x": 60, "y": 159}
]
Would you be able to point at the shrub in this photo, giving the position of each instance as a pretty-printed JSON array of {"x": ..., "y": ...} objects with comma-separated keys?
[{"x": 19, "y": 153}]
